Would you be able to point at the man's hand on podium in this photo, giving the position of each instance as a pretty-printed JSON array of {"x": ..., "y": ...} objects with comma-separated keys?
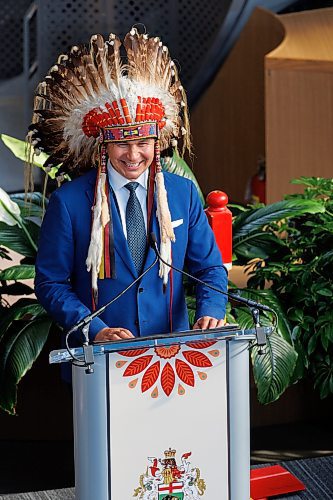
[
  {"x": 207, "y": 322},
  {"x": 110, "y": 334}
]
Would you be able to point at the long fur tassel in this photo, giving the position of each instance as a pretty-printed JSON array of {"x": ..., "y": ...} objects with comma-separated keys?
[
  {"x": 105, "y": 213},
  {"x": 167, "y": 234},
  {"x": 101, "y": 217}
]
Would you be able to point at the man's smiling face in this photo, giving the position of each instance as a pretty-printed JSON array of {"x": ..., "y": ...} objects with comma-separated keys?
[{"x": 131, "y": 158}]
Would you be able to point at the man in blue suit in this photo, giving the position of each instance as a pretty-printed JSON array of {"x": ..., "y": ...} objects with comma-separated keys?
[{"x": 93, "y": 241}]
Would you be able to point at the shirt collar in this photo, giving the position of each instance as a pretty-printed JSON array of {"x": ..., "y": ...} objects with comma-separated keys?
[{"x": 118, "y": 181}]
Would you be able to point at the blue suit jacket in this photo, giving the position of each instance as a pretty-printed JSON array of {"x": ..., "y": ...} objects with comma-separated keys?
[{"x": 63, "y": 285}]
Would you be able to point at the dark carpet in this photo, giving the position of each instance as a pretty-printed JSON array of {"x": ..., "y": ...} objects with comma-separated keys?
[{"x": 64, "y": 494}]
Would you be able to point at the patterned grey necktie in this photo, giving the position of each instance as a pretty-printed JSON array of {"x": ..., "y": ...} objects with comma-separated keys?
[{"x": 135, "y": 226}]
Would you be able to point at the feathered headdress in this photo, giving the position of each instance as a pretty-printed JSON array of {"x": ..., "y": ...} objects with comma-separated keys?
[{"x": 92, "y": 97}]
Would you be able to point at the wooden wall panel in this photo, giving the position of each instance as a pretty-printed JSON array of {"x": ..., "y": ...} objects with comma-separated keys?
[
  {"x": 299, "y": 102},
  {"x": 228, "y": 124}
]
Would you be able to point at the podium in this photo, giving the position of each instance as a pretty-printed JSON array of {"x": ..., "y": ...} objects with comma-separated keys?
[{"x": 164, "y": 417}]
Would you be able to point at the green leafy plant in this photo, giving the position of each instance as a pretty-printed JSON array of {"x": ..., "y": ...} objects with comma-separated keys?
[
  {"x": 24, "y": 325},
  {"x": 254, "y": 240},
  {"x": 295, "y": 261}
]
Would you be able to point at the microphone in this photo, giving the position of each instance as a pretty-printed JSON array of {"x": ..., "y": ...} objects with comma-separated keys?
[
  {"x": 87, "y": 319},
  {"x": 83, "y": 325},
  {"x": 242, "y": 300}
]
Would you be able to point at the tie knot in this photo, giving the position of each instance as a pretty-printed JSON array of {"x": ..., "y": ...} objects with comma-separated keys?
[{"x": 131, "y": 186}]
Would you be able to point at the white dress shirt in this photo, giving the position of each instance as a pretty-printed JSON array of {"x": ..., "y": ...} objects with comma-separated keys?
[{"x": 117, "y": 182}]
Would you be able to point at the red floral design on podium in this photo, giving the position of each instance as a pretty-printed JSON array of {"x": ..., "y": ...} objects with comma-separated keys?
[{"x": 168, "y": 368}]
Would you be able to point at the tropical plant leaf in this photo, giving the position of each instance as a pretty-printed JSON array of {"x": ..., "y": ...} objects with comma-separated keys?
[
  {"x": 255, "y": 218},
  {"x": 257, "y": 245},
  {"x": 276, "y": 370},
  {"x": 324, "y": 377},
  {"x": 19, "y": 349},
  {"x": 13, "y": 237},
  {"x": 25, "y": 309},
  {"x": 176, "y": 165},
  {"x": 273, "y": 370},
  {"x": 20, "y": 272},
  {"x": 20, "y": 239},
  {"x": 308, "y": 181},
  {"x": 301, "y": 362},
  {"x": 191, "y": 317},
  {"x": 31, "y": 205},
  {"x": 236, "y": 208},
  {"x": 33, "y": 229}
]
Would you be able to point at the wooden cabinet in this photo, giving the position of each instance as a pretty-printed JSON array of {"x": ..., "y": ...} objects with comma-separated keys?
[{"x": 299, "y": 102}]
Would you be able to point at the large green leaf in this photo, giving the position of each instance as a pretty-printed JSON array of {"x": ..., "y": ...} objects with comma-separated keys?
[
  {"x": 19, "y": 348},
  {"x": 324, "y": 376},
  {"x": 176, "y": 165},
  {"x": 20, "y": 272},
  {"x": 255, "y": 218},
  {"x": 273, "y": 370},
  {"x": 256, "y": 245},
  {"x": 13, "y": 237},
  {"x": 31, "y": 205},
  {"x": 26, "y": 309},
  {"x": 32, "y": 228}
]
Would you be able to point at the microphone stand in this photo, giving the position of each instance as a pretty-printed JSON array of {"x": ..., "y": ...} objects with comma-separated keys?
[
  {"x": 254, "y": 306},
  {"x": 260, "y": 331},
  {"x": 88, "y": 353},
  {"x": 84, "y": 325}
]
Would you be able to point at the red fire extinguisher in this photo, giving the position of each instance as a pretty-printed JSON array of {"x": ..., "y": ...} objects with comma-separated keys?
[{"x": 256, "y": 187}]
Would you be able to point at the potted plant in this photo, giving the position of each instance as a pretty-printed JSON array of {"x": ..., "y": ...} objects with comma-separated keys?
[
  {"x": 24, "y": 325},
  {"x": 296, "y": 261}
]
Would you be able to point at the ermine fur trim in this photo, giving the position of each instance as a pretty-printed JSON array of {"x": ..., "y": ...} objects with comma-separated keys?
[{"x": 95, "y": 250}]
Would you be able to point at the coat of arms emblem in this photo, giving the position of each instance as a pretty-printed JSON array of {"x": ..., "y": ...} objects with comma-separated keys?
[{"x": 164, "y": 479}]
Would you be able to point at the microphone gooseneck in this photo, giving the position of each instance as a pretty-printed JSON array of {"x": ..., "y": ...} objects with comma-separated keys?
[
  {"x": 237, "y": 298},
  {"x": 252, "y": 304},
  {"x": 83, "y": 324}
]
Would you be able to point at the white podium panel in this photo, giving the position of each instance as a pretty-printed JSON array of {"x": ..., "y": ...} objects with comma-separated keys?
[{"x": 168, "y": 422}]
